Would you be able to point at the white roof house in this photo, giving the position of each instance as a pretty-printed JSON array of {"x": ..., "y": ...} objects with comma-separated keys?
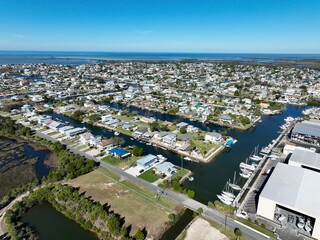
[
  {"x": 166, "y": 168},
  {"x": 74, "y": 131},
  {"x": 43, "y": 118},
  {"x": 213, "y": 137},
  {"x": 55, "y": 125},
  {"x": 65, "y": 128},
  {"x": 293, "y": 188},
  {"x": 147, "y": 161}
]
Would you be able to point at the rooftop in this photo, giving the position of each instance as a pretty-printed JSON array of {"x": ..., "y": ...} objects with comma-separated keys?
[
  {"x": 307, "y": 128},
  {"x": 147, "y": 159},
  {"x": 295, "y": 188},
  {"x": 306, "y": 158}
]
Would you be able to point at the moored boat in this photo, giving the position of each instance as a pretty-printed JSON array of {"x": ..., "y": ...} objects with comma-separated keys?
[{"x": 224, "y": 200}]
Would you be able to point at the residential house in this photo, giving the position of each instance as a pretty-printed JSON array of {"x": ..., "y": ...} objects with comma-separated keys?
[
  {"x": 213, "y": 137},
  {"x": 105, "y": 144}
]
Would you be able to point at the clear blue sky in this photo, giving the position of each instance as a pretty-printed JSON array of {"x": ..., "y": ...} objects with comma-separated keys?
[{"x": 261, "y": 26}]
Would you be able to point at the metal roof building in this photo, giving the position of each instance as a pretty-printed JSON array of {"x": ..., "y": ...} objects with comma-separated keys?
[
  {"x": 295, "y": 189},
  {"x": 306, "y": 159},
  {"x": 146, "y": 161},
  {"x": 307, "y": 128}
]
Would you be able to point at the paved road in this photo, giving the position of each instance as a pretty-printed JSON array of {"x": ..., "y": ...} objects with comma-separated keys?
[{"x": 182, "y": 199}]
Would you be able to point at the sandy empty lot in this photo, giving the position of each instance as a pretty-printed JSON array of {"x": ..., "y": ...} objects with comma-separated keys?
[
  {"x": 138, "y": 211},
  {"x": 200, "y": 229}
]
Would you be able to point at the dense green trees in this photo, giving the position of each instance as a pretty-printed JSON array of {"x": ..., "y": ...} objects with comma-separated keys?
[
  {"x": 78, "y": 115},
  {"x": 9, "y": 128},
  {"x": 137, "y": 151},
  {"x": 175, "y": 185},
  {"x": 118, "y": 141},
  {"x": 183, "y": 130},
  {"x": 70, "y": 165}
]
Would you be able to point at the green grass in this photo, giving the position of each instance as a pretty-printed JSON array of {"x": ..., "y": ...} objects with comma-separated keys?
[
  {"x": 121, "y": 163},
  {"x": 149, "y": 176},
  {"x": 126, "y": 132},
  {"x": 256, "y": 227},
  {"x": 109, "y": 173},
  {"x": 179, "y": 174},
  {"x": 223, "y": 207},
  {"x": 164, "y": 201},
  {"x": 112, "y": 160},
  {"x": 203, "y": 147}
]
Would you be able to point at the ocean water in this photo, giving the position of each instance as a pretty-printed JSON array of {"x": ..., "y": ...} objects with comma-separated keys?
[{"x": 76, "y": 58}]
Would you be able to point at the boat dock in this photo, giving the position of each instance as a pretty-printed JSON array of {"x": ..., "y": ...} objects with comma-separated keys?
[{"x": 256, "y": 180}]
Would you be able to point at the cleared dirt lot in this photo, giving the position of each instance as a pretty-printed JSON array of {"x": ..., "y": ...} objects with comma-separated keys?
[{"x": 200, "y": 229}]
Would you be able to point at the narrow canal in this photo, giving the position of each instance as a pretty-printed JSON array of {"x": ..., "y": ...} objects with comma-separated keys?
[{"x": 210, "y": 178}]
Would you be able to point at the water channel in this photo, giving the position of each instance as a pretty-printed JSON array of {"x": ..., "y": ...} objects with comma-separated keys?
[{"x": 209, "y": 178}]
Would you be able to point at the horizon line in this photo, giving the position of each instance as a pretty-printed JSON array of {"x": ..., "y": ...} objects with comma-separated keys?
[{"x": 166, "y": 52}]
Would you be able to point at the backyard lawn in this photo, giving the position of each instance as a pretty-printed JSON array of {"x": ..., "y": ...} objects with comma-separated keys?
[
  {"x": 121, "y": 163},
  {"x": 149, "y": 176}
]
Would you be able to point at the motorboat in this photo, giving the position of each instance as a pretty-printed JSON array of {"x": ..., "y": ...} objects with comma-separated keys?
[
  {"x": 245, "y": 174},
  {"x": 116, "y": 133},
  {"x": 282, "y": 218},
  {"x": 247, "y": 166},
  {"x": 289, "y": 119},
  {"x": 190, "y": 179},
  {"x": 301, "y": 222},
  {"x": 255, "y": 158},
  {"x": 308, "y": 226}
]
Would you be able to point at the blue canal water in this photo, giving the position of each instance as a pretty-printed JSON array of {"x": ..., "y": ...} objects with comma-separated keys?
[{"x": 210, "y": 178}]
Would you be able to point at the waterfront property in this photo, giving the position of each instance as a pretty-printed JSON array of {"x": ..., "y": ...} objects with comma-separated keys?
[
  {"x": 290, "y": 198},
  {"x": 119, "y": 152},
  {"x": 147, "y": 161},
  {"x": 307, "y": 132}
]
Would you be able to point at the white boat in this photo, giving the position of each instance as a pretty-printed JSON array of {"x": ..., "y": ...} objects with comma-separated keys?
[
  {"x": 187, "y": 159},
  {"x": 227, "y": 196},
  {"x": 282, "y": 218},
  {"x": 227, "y": 191},
  {"x": 254, "y": 155},
  {"x": 161, "y": 157},
  {"x": 234, "y": 185},
  {"x": 308, "y": 226},
  {"x": 255, "y": 158},
  {"x": 265, "y": 150},
  {"x": 116, "y": 133},
  {"x": 190, "y": 179},
  {"x": 224, "y": 200},
  {"x": 247, "y": 166},
  {"x": 301, "y": 222},
  {"x": 289, "y": 119},
  {"x": 245, "y": 174}
]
